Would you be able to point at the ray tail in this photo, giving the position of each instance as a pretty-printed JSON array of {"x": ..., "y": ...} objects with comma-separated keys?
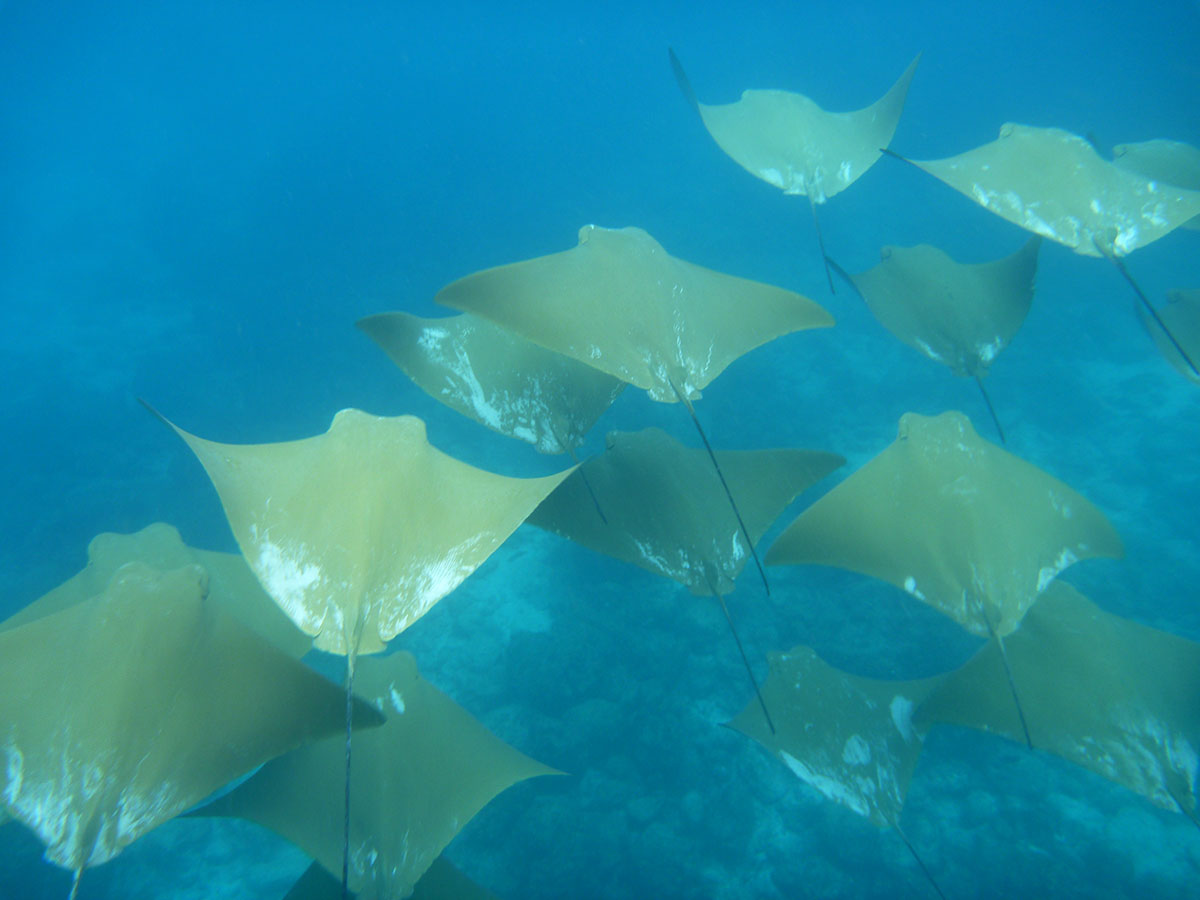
[
  {"x": 728, "y": 493},
  {"x": 920, "y": 862},
  {"x": 681, "y": 78},
  {"x": 742, "y": 650},
  {"x": 346, "y": 809},
  {"x": 1150, "y": 309},
  {"x": 821, "y": 244},
  {"x": 991, "y": 409},
  {"x": 1012, "y": 685}
]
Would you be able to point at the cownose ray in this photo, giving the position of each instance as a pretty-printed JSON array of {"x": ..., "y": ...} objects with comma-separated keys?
[
  {"x": 441, "y": 881},
  {"x": 231, "y": 584},
  {"x": 667, "y": 513},
  {"x": 1160, "y": 159},
  {"x": 788, "y": 141},
  {"x": 1054, "y": 183},
  {"x": 620, "y": 303},
  {"x": 121, "y": 711},
  {"x": 953, "y": 520},
  {"x": 417, "y": 781},
  {"x": 1182, "y": 315},
  {"x": 1104, "y": 692},
  {"x": 959, "y": 314},
  {"x": 356, "y": 533},
  {"x": 497, "y": 378},
  {"x": 853, "y": 739}
]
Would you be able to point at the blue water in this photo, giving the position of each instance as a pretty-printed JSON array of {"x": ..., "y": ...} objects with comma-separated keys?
[{"x": 198, "y": 201}]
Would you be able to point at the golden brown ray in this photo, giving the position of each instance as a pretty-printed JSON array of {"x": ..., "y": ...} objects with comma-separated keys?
[
  {"x": 955, "y": 521},
  {"x": 961, "y": 315},
  {"x": 121, "y": 711},
  {"x": 416, "y": 782}
]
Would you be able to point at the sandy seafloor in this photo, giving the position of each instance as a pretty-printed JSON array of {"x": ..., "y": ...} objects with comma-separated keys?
[{"x": 196, "y": 204}]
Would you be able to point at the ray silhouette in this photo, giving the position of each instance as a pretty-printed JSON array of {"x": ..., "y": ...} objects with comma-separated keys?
[
  {"x": 231, "y": 584},
  {"x": 1174, "y": 162},
  {"x": 1055, "y": 184},
  {"x": 667, "y": 512},
  {"x": 417, "y": 781},
  {"x": 1103, "y": 692},
  {"x": 358, "y": 532},
  {"x": 1182, "y": 315},
  {"x": 620, "y": 303},
  {"x": 788, "y": 141},
  {"x": 954, "y": 521},
  {"x": 121, "y": 711},
  {"x": 852, "y": 739},
  {"x": 958, "y": 314}
]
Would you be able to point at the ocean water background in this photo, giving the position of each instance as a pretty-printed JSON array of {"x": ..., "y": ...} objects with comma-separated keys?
[{"x": 198, "y": 200}]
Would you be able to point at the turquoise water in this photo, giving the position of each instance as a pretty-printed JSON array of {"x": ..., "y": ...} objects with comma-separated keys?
[{"x": 197, "y": 202}]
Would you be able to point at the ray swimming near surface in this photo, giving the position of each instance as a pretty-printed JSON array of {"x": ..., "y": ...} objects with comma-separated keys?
[{"x": 790, "y": 142}]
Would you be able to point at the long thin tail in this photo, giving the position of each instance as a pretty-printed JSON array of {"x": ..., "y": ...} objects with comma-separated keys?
[
  {"x": 920, "y": 862},
  {"x": 682, "y": 79},
  {"x": 821, "y": 244},
  {"x": 1116, "y": 261},
  {"x": 346, "y": 822},
  {"x": 991, "y": 409},
  {"x": 1012, "y": 685},
  {"x": 728, "y": 493},
  {"x": 742, "y": 650}
]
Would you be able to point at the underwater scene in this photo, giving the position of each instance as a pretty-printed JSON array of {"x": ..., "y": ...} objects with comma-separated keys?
[{"x": 620, "y": 450}]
